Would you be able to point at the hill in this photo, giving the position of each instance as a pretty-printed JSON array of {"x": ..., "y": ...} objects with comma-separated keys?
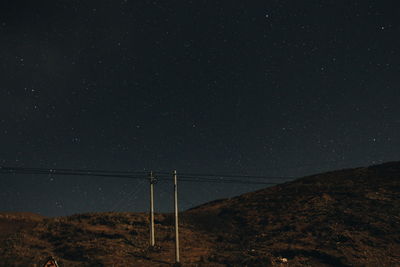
[{"x": 341, "y": 218}]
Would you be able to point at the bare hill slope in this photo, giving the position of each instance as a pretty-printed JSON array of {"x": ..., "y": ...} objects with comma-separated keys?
[{"x": 342, "y": 218}]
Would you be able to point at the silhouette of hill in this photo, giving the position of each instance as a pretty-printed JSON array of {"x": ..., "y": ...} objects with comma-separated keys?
[{"x": 341, "y": 218}]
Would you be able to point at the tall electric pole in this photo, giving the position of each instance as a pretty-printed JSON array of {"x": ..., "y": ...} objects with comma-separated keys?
[
  {"x": 152, "y": 182},
  {"x": 176, "y": 217}
]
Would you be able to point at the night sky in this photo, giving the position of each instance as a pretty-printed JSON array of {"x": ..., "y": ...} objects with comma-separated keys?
[{"x": 271, "y": 87}]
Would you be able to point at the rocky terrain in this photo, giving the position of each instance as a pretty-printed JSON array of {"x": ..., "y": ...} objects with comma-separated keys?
[{"x": 341, "y": 218}]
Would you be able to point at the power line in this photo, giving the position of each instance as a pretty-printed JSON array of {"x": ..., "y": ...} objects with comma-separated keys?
[
  {"x": 136, "y": 173},
  {"x": 229, "y": 175},
  {"x": 215, "y": 176},
  {"x": 9, "y": 171},
  {"x": 54, "y": 170},
  {"x": 128, "y": 197},
  {"x": 77, "y": 170},
  {"x": 186, "y": 177},
  {"x": 183, "y": 179},
  {"x": 241, "y": 179}
]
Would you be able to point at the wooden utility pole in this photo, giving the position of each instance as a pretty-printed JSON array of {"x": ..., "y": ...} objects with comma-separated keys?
[
  {"x": 152, "y": 182},
  {"x": 176, "y": 217}
]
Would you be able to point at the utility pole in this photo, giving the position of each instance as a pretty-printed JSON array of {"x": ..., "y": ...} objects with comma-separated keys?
[
  {"x": 176, "y": 217},
  {"x": 152, "y": 182}
]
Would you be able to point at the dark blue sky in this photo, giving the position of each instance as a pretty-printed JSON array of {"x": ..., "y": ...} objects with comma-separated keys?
[{"x": 262, "y": 87}]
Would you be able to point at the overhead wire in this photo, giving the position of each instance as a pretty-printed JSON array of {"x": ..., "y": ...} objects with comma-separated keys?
[
  {"x": 128, "y": 197},
  {"x": 61, "y": 171},
  {"x": 233, "y": 176},
  {"x": 133, "y": 174},
  {"x": 124, "y": 196},
  {"x": 186, "y": 177},
  {"x": 10, "y": 171}
]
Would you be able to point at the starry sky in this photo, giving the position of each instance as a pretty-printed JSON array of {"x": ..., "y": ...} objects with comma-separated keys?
[{"x": 273, "y": 87}]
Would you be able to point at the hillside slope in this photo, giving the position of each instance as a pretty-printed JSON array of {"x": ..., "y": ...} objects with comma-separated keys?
[{"x": 342, "y": 218}]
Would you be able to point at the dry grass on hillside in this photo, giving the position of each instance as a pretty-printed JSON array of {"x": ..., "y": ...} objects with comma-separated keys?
[{"x": 342, "y": 218}]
